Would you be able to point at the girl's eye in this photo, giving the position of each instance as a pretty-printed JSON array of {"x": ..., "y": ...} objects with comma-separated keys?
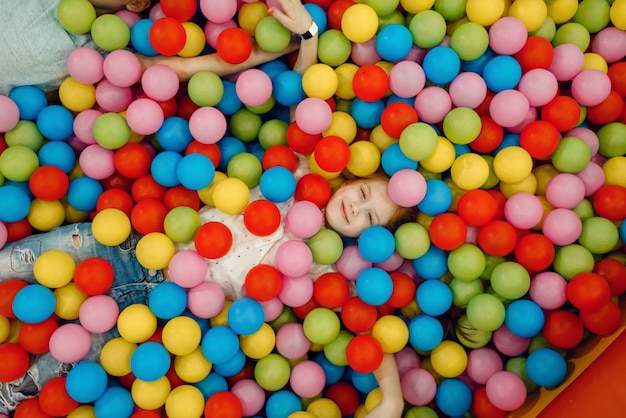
[
  {"x": 371, "y": 218},
  {"x": 363, "y": 192}
]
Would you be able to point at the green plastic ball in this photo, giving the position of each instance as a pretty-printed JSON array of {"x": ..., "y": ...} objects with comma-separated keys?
[
  {"x": 485, "y": 312},
  {"x": 273, "y": 132},
  {"x": 111, "y": 131},
  {"x": 491, "y": 262},
  {"x": 428, "y": 29},
  {"x": 25, "y": 133},
  {"x": 244, "y": 124},
  {"x": 245, "y": 167},
  {"x": 335, "y": 351},
  {"x": 109, "y": 32},
  {"x": 272, "y": 372},
  {"x": 466, "y": 262},
  {"x": 205, "y": 88},
  {"x": 263, "y": 108},
  {"x": 395, "y": 17},
  {"x": 18, "y": 162},
  {"x": 286, "y": 316},
  {"x": 181, "y": 223},
  {"x": 412, "y": 240},
  {"x": 271, "y": 35},
  {"x": 572, "y": 154},
  {"x": 451, "y": 10},
  {"x": 573, "y": 259},
  {"x": 321, "y": 326},
  {"x": 326, "y": 246},
  {"x": 383, "y": 7},
  {"x": 469, "y": 336},
  {"x": 510, "y": 280},
  {"x": 421, "y": 412},
  {"x": 418, "y": 141},
  {"x": 612, "y": 139},
  {"x": 464, "y": 290},
  {"x": 461, "y": 125},
  {"x": 492, "y": 179},
  {"x": 469, "y": 40},
  {"x": 546, "y": 31},
  {"x": 572, "y": 33},
  {"x": 599, "y": 235},
  {"x": 584, "y": 209},
  {"x": 594, "y": 15},
  {"x": 517, "y": 365},
  {"x": 76, "y": 16},
  {"x": 333, "y": 48}
]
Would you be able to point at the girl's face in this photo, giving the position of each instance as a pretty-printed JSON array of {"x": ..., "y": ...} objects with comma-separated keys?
[{"x": 359, "y": 204}]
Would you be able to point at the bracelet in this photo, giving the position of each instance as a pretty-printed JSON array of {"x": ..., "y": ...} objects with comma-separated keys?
[{"x": 311, "y": 32}]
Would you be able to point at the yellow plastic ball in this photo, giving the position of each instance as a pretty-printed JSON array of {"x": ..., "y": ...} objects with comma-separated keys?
[
  {"x": 531, "y": 12},
  {"x": 544, "y": 173},
  {"x": 260, "y": 344},
  {"x": 115, "y": 356},
  {"x": 615, "y": 171},
  {"x": 617, "y": 14},
  {"x": 73, "y": 215},
  {"x": 324, "y": 408},
  {"x": 222, "y": 317},
  {"x": 512, "y": 164},
  {"x": 111, "y": 227},
  {"x": 373, "y": 399},
  {"x": 206, "y": 194},
  {"x": 320, "y": 80},
  {"x": 442, "y": 158},
  {"x": 136, "y": 323},
  {"x": 181, "y": 335},
  {"x": 457, "y": 192},
  {"x": 192, "y": 367},
  {"x": 155, "y": 250},
  {"x": 5, "y": 328},
  {"x": 416, "y": 6},
  {"x": 316, "y": 169},
  {"x": 345, "y": 73},
  {"x": 364, "y": 158},
  {"x": 392, "y": 333},
  {"x": 83, "y": 411},
  {"x": 301, "y": 414},
  {"x": 231, "y": 196},
  {"x": 359, "y": 22},
  {"x": 54, "y": 268},
  {"x": 342, "y": 125},
  {"x": 561, "y": 11},
  {"x": 45, "y": 215},
  {"x": 185, "y": 401},
  {"x": 195, "y": 41},
  {"x": 469, "y": 171},
  {"x": 360, "y": 411},
  {"x": 380, "y": 138},
  {"x": 77, "y": 96},
  {"x": 528, "y": 185},
  {"x": 249, "y": 15},
  {"x": 150, "y": 395},
  {"x": 449, "y": 359},
  {"x": 14, "y": 332},
  {"x": 484, "y": 12},
  {"x": 69, "y": 299},
  {"x": 595, "y": 61}
]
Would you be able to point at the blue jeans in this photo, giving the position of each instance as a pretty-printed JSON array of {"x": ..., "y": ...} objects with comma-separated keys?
[{"x": 132, "y": 284}]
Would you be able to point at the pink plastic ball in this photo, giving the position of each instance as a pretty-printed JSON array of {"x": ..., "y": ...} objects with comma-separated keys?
[
  {"x": 206, "y": 300},
  {"x": 432, "y": 104},
  {"x": 506, "y": 390},
  {"x": 160, "y": 83},
  {"x": 610, "y": 43},
  {"x": 591, "y": 87},
  {"x": 482, "y": 363},
  {"x": 592, "y": 177},
  {"x": 213, "y": 30},
  {"x": 85, "y": 65},
  {"x": 393, "y": 263},
  {"x": 304, "y": 219},
  {"x": 523, "y": 210},
  {"x": 218, "y": 11},
  {"x": 251, "y": 395},
  {"x": 296, "y": 291},
  {"x": 112, "y": 98},
  {"x": 291, "y": 342},
  {"x": 4, "y": 234},
  {"x": 548, "y": 290},
  {"x": 187, "y": 268},
  {"x": 406, "y": 359},
  {"x": 293, "y": 258},
  {"x": 507, "y": 35},
  {"x": 562, "y": 226},
  {"x": 565, "y": 190},
  {"x": 272, "y": 309},
  {"x": 9, "y": 114},
  {"x": 97, "y": 162},
  {"x": 207, "y": 125},
  {"x": 508, "y": 343},
  {"x": 568, "y": 60},
  {"x": 406, "y": 79},
  {"x": 313, "y": 115},
  {"x": 130, "y": 18},
  {"x": 99, "y": 313},
  {"x": 539, "y": 86},
  {"x": 144, "y": 116},
  {"x": 156, "y": 12},
  {"x": 418, "y": 386},
  {"x": 407, "y": 187},
  {"x": 70, "y": 343},
  {"x": 253, "y": 87},
  {"x": 307, "y": 379},
  {"x": 509, "y": 108},
  {"x": 363, "y": 53},
  {"x": 531, "y": 116},
  {"x": 351, "y": 263},
  {"x": 83, "y": 125},
  {"x": 468, "y": 90},
  {"x": 587, "y": 135},
  {"x": 122, "y": 68}
]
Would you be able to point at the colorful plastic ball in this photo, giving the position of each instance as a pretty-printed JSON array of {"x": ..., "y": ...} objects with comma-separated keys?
[
  {"x": 114, "y": 401},
  {"x": 253, "y": 87},
  {"x": 234, "y": 45},
  {"x": 321, "y": 325},
  {"x": 111, "y": 227},
  {"x": 70, "y": 343},
  {"x": 425, "y": 332},
  {"x": 54, "y": 399},
  {"x": 195, "y": 171},
  {"x": 132, "y": 316},
  {"x": 307, "y": 379},
  {"x": 524, "y": 318},
  {"x": 110, "y": 32},
  {"x": 359, "y": 24},
  {"x": 48, "y": 183},
  {"x": 441, "y": 64},
  {"x": 546, "y": 367},
  {"x": 433, "y": 297},
  {"x": 271, "y": 35},
  {"x": 98, "y": 314},
  {"x": 427, "y": 28},
  {"x": 374, "y": 286},
  {"x": 453, "y": 397},
  {"x": 167, "y": 300},
  {"x": 167, "y": 36},
  {"x": 184, "y": 401},
  {"x": 291, "y": 341},
  {"x": 449, "y": 359},
  {"x": 160, "y": 83},
  {"x": 603, "y": 321},
  {"x": 418, "y": 386},
  {"x": 501, "y": 73},
  {"x": 54, "y": 268},
  {"x": 394, "y": 42},
  {"x": 42, "y": 300},
  {"x": 523, "y": 210},
  {"x": 55, "y": 122},
  {"x": 507, "y": 36},
  {"x": 150, "y": 361},
  {"x": 588, "y": 291},
  {"x": 221, "y": 403},
  {"x": 181, "y": 337},
  {"x": 245, "y": 316},
  {"x": 506, "y": 390},
  {"x": 509, "y": 108},
  {"x": 508, "y": 343},
  {"x": 370, "y": 82},
  {"x": 482, "y": 363},
  {"x": 17, "y": 361},
  {"x": 144, "y": 116},
  {"x": 485, "y": 312},
  {"x": 591, "y": 97},
  {"x": 364, "y": 353},
  {"x": 406, "y": 79},
  {"x": 10, "y": 114},
  {"x": 86, "y": 382},
  {"x": 563, "y": 329},
  {"x": 562, "y": 226},
  {"x": 272, "y": 372}
]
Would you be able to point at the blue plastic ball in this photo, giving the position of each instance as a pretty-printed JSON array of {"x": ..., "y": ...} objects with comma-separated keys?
[
  {"x": 246, "y": 316},
  {"x": 14, "y": 203},
  {"x": 174, "y": 134},
  {"x": 86, "y": 381},
  {"x": 195, "y": 171},
  {"x": 376, "y": 244},
  {"x": 622, "y": 231},
  {"x": 425, "y": 332},
  {"x": 30, "y": 100},
  {"x": 34, "y": 304},
  {"x": 287, "y": 88},
  {"x": 167, "y": 300},
  {"x": 460, "y": 149},
  {"x": 478, "y": 65},
  {"x": 229, "y": 103},
  {"x": 502, "y": 72},
  {"x": 524, "y": 318},
  {"x": 232, "y": 366},
  {"x": 277, "y": 184},
  {"x": 508, "y": 140},
  {"x": 546, "y": 367},
  {"x": 150, "y": 361},
  {"x": 434, "y": 297},
  {"x": 59, "y": 154},
  {"x": 140, "y": 37},
  {"x": 319, "y": 16},
  {"x": 363, "y": 382},
  {"x": 274, "y": 68},
  {"x": 394, "y": 160},
  {"x": 220, "y": 344},
  {"x": 211, "y": 384},
  {"x": 164, "y": 168},
  {"x": 281, "y": 404},
  {"x": 394, "y": 98},
  {"x": 374, "y": 286},
  {"x": 431, "y": 265},
  {"x": 437, "y": 199},
  {"x": 333, "y": 372},
  {"x": 55, "y": 122},
  {"x": 441, "y": 64},
  {"x": 203, "y": 323},
  {"x": 83, "y": 193},
  {"x": 366, "y": 114},
  {"x": 394, "y": 42},
  {"x": 115, "y": 402},
  {"x": 453, "y": 397},
  {"x": 229, "y": 147}
]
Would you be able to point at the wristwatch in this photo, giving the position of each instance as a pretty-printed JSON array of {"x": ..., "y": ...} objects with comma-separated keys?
[{"x": 311, "y": 32}]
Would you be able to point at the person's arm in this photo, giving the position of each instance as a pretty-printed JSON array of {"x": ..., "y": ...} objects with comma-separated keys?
[{"x": 388, "y": 379}]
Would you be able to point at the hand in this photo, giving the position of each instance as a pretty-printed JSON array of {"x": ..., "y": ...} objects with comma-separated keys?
[
  {"x": 386, "y": 410},
  {"x": 294, "y": 16}
]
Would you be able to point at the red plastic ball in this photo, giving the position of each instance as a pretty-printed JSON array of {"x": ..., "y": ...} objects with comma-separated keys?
[
  {"x": 370, "y": 82},
  {"x": 614, "y": 272},
  {"x": 223, "y": 404},
  {"x": 48, "y": 183},
  {"x": 261, "y": 217},
  {"x": 148, "y": 215},
  {"x": 448, "y": 231},
  {"x": 403, "y": 292},
  {"x": 497, "y": 238},
  {"x": 146, "y": 187},
  {"x": 132, "y": 160},
  {"x": 30, "y": 408},
  {"x": 34, "y": 338},
  {"x": 609, "y": 202},
  {"x": 279, "y": 155},
  {"x": 500, "y": 200},
  {"x": 212, "y": 151},
  {"x": 345, "y": 396},
  {"x": 335, "y": 12},
  {"x": 482, "y": 406},
  {"x": 608, "y": 111},
  {"x": 537, "y": 52},
  {"x": 588, "y": 291},
  {"x": 603, "y": 321},
  {"x": 234, "y": 45},
  {"x": 8, "y": 290},
  {"x": 617, "y": 75},
  {"x": 535, "y": 252},
  {"x": 213, "y": 240},
  {"x": 302, "y": 311},
  {"x": 15, "y": 361},
  {"x": 181, "y": 10},
  {"x": 167, "y": 36},
  {"x": 563, "y": 329},
  {"x": 332, "y": 153},
  {"x": 540, "y": 138},
  {"x": 364, "y": 353},
  {"x": 117, "y": 199},
  {"x": 331, "y": 290},
  {"x": 94, "y": 275},
  {"x": 300, "y": 141},
  {"x": 314, "y": 188},
  {"x": 483, "y": 108},
  {"x": 563, "y": 112},
  {"x": 54, "y": 399},
  {"x": 357, "y": 316},
  {"x": 146, "y": 414},
  {"x": 263, "y": 282},
  {"x": 476, "y": 207},
  {"x": 186, "y": 107},
  {"x": 397, "y": 116},
  {"x": 489, "y": 138},
  {"x": 18, "y": 230},
  {"x": 117, "y": 181},
  {"x": 169, "y": 107},
  {"x": 181, "y": 196}
]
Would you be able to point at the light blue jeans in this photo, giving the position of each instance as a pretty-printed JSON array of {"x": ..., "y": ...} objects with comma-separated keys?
[{"x": 132, "y": 284}]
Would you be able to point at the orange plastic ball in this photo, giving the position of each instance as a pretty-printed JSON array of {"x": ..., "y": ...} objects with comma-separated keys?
[
  {"x": 537, "y": 52},
  {"x": 181, "y": 10},
  {"x": 15, "y": 362},
  {"x": 212, "y": 151},
  {"x": 397, "y": 116},
  {"x": 132, "y": 160},
  {"x": 364, "y": 353},
  {"x": 331, "y": 290},
  {"x": 54, "y": 399},
  {"x": 181, "y": 196},
  {"x": 563, "y": 112},
  {"x": 448, "y": 231},
  {"x": 370, "y": 83},
  {"x": 540, "y": 138},
  {"x": 497, "y": 238},
  {"x": 8, "y": 290},
  {"x": 48, "y": 183},
  {"x": 300, "y": 141},
  {"x": 94, "y": 275},
  {"x": 34, "y": 338},
  {"x": 358, "y": 316},
  {"x": 148, "y": 215},
  {"x": 213, "y": 240},
  {"x": 332, "y": 153},
  {"x": 263, "y": 282},
  {"x": 476, "y": 207},
  {"x": 314, "y": 188},
  {"x": 30, "y": 408},
  {"x": 261, "y": 217},
  {"x": 234, "y": 45},
  {"x": 489, "y": 138},
  {"x": 146, "y": 187},
  {"x": 403, "y": 293},
  {"x": 117, "y": 199},
  {"x": 223, "y": 404},
  {"x": 279, "y": 155},
  {"x": 167, "y": 36}
]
